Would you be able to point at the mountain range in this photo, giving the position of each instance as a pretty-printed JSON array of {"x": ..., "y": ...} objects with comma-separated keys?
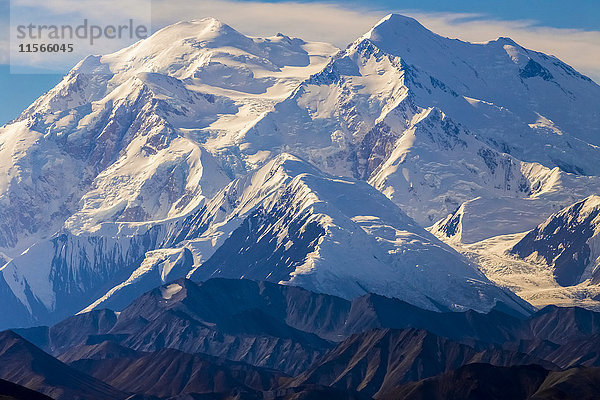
[
  {"x": 235, "y": 338},
  {"x": 208, "y": 215},
  {"x": 201, "y": 152}
]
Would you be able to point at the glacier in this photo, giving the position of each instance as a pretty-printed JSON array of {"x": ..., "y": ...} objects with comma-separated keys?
[{"x": 202, "y": 152}]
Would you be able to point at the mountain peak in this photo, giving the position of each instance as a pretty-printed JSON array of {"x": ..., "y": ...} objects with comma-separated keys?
[
  {"x": 208, "y": 23},
  {"x": 211, "y": 21},
  {"x": 507, "y": 40},
  {"x": 593, "y": 200},
  {"x": 404, "y": 36},
  {"x": 398, "y": 19},
  {"x": 205, "y": 29},
  {"x": 395, "y": 26},
  {"x": 566, "y": 242}
]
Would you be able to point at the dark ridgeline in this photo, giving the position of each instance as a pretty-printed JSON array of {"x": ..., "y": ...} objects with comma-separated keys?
[
  {"x": 23, "y": 363},
  {"x": 12, "y": 391},
  {"x": 252, "y": 340},
  {"x": 488, "y": 382}
]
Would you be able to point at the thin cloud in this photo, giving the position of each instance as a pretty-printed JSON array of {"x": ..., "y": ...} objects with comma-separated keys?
[
  {"x": 311, "y": 21},
  {"x": 104, "y": 10},
  {"x": 578, "y": 48},
  {"x": 340, "y": 25}
]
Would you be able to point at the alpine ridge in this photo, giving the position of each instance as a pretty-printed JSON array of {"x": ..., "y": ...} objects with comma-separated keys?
[
  {"x": 238, "y": 339},
  {"x": 201, "y": 152}
]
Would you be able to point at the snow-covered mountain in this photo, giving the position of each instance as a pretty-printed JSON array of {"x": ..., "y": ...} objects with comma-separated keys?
[
  {"x": 181, "y": 155},
  {"x": 556, "y": 262},
  {"x": 434, "y": 122},
  {"x": 287, "y": 223},
  {"x": 568, "y": 242},
  {"x": 487, "y": 216},
  {"x": 291, "y": 223},
  {"x": 133, "y": 136}
]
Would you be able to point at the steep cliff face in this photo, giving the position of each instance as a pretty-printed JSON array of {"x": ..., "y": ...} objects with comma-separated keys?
[{"x": 567, "y": 242}]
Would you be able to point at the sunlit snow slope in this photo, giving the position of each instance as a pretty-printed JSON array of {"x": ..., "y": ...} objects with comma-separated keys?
[{"x": 153, "y": 163}]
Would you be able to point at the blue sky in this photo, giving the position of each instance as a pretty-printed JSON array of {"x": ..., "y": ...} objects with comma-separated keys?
[
  {"x": 568, "y": 29},
  {"x": 579, "y": 14}
]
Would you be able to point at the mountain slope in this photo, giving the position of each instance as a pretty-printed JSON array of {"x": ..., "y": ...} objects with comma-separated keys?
[
  {"x": 555, "y": 262},
  {"x": 24, "y": 364},
  {"x": 287, "y": 312},
  {"x": 217, "y": 302},
  {"x": 320, "y": 339},
  {"x": 212, "y": 320},
  {"x": 483, "y": 381},
  {"x": 289, "y": 222},
  {"x": 112, "y": 182},
  {"x": 376, "y": 362},
  {"x": 567, "y": 243},
  {"x": 384, "y": 103},
  {"x": 462, "y": 77},
  {"x": 57, "y": 277},
  {"x": 374, "y": 242},
  {"x": 170, "y": 372},
  {"x": 135, "y": 118},
  {"x": 11, "y": 391}
]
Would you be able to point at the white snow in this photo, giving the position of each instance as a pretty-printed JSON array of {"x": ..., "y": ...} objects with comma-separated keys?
[
  {"x": 199, "y": 115},
  {"x": 533, "y": 278},
  {"x": 170, "y": 291}
]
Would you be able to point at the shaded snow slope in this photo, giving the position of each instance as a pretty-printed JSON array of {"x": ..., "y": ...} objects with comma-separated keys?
[
  {"x": 130, "y": 136},
  {"x": 290, "y": 223},
  {"x": 568, "y": 242},
  {"x": 172, "y": 134},
  {"x": 556, "y": 262}
]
